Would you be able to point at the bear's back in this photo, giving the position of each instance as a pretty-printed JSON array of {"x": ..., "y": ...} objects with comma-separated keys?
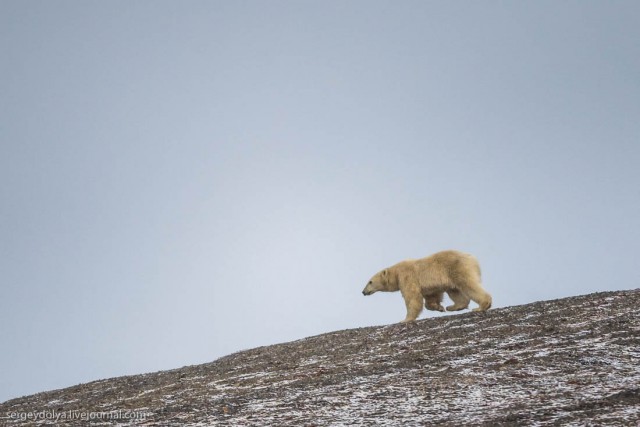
[{"x": 447, "y": 266}]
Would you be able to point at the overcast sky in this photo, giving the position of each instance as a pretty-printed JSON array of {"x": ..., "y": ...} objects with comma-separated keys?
[{"x": 181, "y": 180}]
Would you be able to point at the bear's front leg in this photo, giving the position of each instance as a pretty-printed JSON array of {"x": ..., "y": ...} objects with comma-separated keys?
[
  {"x": 433, "y": 301},
  {"x": 413, "y": 300}
]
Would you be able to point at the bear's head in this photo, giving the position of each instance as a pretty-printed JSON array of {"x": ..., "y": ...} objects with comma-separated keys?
[{"x": 379, "y": 282}]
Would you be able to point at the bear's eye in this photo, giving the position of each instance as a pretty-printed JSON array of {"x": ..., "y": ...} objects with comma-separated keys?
[{"x": 370, "y": 282}]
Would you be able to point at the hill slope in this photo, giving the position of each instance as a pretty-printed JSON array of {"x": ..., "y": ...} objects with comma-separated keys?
[{"x": 574, "y": 360}]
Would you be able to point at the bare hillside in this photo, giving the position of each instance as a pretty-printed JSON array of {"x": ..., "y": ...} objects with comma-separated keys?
[{"x": 574, "y": 361}]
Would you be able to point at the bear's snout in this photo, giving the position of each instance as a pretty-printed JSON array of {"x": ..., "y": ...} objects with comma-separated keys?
[{"x": 368, "y": 289}]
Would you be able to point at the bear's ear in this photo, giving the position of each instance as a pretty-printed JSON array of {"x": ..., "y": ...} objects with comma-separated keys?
[{"x": 384, "y": 272}]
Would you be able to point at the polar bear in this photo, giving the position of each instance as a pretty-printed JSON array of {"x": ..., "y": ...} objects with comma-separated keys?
[{"x": 425, "y": 280}]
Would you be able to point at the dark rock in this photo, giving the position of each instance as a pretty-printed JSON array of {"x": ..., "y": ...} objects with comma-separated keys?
[{"x": 574, "y": 361}]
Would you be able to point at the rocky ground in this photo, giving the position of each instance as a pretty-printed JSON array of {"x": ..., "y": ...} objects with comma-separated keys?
[{"x": 574, "y": 361}]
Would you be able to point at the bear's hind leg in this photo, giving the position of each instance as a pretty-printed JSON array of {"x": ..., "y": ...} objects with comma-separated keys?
[
  {"x": 460, "y": 300},
  {"x": 433, "y": 301},
  {"x": 480, "y": 296}
]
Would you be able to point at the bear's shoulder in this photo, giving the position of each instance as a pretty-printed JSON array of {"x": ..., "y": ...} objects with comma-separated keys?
[{"x": 404, "y": 269}]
